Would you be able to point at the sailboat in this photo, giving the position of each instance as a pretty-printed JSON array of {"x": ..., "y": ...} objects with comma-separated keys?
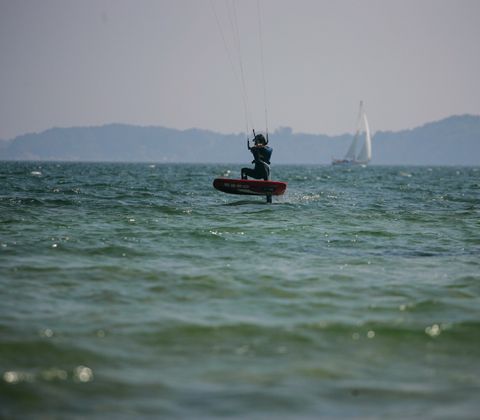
[{"x": 361, "y": 141}]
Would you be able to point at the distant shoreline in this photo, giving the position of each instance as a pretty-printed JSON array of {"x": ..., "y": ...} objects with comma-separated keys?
[{"x": 452, "y": 141}]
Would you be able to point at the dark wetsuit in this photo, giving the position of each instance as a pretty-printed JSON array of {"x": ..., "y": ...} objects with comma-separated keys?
[{"x": 261, "y": 159}]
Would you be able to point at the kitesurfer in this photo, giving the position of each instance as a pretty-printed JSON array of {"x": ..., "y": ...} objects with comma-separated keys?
[{"x": 261, "y": 158}]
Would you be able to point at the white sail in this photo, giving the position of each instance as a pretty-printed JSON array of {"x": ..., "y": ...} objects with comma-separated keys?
[
  {"x": 352, "y": 150},
  {"x": 366, "y": 153}
]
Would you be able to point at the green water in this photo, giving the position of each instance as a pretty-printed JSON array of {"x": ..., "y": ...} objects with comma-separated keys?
[{"x": 139, "y": 291}]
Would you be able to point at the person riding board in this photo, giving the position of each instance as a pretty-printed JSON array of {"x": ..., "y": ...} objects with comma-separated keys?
[{"x": 261, "y": 158}]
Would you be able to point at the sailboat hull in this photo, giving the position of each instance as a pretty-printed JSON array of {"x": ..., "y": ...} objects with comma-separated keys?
[{"x": 347, "y": 162}]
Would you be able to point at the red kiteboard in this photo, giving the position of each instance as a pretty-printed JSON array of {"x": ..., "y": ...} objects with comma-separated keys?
[{"x": 249, "y": 186}]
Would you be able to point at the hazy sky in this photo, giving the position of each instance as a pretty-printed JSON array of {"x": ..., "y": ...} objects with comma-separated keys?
[{"x": 163, "y": 62}]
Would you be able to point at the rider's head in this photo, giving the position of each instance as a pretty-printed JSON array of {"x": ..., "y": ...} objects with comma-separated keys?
[{"x": 260, "y": 139}]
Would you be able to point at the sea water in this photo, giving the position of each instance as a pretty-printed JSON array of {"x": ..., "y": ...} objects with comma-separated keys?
[{"x": 138, "y": 291}]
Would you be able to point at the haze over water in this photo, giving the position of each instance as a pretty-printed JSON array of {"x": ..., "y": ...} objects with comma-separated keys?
[{"x": 139, "y": 291}]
